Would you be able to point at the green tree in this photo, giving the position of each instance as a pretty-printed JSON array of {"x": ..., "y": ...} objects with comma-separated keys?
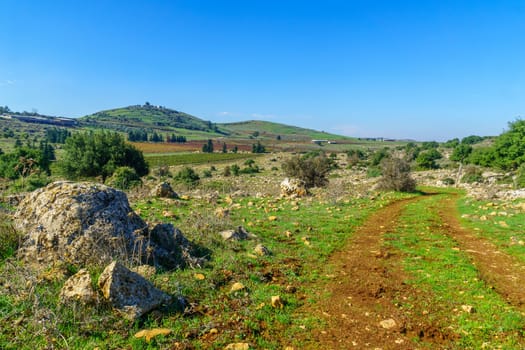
[
  {"x": 100, "y": 153},
  {"x": 208, "y": 147},
  {"x": 509, "y": 147},
  {"x": 258, "y": 148},
  {"x": 224, "y": 148},
  {"x": 427, "y": 159}
]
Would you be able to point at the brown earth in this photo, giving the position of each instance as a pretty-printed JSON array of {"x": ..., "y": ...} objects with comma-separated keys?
[{"x": 363, "y": 308}]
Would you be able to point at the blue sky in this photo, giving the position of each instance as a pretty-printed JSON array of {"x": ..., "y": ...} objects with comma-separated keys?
[{"x": 426, "y": 70}]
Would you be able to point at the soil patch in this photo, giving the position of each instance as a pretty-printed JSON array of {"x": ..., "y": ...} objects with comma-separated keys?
[
  {"x": 360, "y": 311},
  {"x": 499, "y": 270}
]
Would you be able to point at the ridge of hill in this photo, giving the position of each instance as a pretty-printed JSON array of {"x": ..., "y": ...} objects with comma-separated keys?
[
  {"x": 150, "y": 118},
  {"x": 266, "y": 129}
]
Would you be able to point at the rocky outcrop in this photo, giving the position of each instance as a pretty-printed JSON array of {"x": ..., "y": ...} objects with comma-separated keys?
[
  {"x": 130, "y": 293},
  {"x": 292, "y": 188},
  {"x": 87, "y": 224},
  {"x": 164, "y": 190}
]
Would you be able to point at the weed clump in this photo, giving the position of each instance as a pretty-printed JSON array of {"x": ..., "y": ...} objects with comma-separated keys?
[
  {"x": 188, "y": 177},
  {"x": 396, "y": 176},
  {"x": 124, "y": 178}
]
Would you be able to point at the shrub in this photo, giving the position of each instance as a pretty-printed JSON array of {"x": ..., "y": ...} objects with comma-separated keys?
[
  {"x": 520, "y": 177},
  {"x": 396, "y": 176},
  {"x": 9, "y": 238},
  {"x": 235, "y": 169},
  {"x": 188, "y": 177},
  {"x": 124, "y": 178},
  {"x": 227, "y": 171},
  {"x": 448, "y": 181},
  {"x": 206, "y": 173},
  {"x": 472, "y": 174},
  {"x": 379, "y": 155},
  {"x": 373, "y": 172},
  {"x": 163, "y": 171},
  {"x": 427, "y": 159},
  {"x": 311, "y": 170}
]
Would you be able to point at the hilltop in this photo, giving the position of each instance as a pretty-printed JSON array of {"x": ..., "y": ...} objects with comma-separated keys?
[
  {"x": 265, "y": 129},
  {"x": 151, "y": 118}
]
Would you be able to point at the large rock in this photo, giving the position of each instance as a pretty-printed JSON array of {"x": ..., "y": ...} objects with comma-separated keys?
[
  {"x": 130, "y": 293},
  {"x": 88, "y": 224},
  {"x": 292, "y": 188},
  {"x": 164, "y": 190}
]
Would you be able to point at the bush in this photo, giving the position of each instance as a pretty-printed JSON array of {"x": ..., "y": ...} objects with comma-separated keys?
[
  {"x": 427, "y": 159},
  {"x": 124, "y": 178},
  {"x": 206, "y": 173},
  {"x": 188, "y": 177},
  {"x": 235, "y": 169},
  {"x": 9, "y": 238},
  {"x": 520, "y": 177},
  {"x": 448, "y": 181},
  {"x": 373, "y": 172},
  {"x": 396, "y": 176},
  {"x": 227, "y": 171},
  {"x": 163, "y": 171},
  {"x": 312, "y": 170},
  {"x": 472, "y": 174}
]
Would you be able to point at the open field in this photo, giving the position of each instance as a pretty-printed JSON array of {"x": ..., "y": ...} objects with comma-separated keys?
[{"x": 341, "y": 263}]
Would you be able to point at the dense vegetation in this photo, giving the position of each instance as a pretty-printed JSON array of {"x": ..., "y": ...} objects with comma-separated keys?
[{"x": 100, "y": 153}]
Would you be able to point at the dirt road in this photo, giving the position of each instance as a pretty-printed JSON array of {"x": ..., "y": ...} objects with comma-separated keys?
[{"x": 362, "y": 308}]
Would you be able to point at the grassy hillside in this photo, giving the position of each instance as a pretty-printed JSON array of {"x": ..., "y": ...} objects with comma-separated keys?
[
  {"x": 272, "y": 130},
  {"x": 151, "y": 118}
]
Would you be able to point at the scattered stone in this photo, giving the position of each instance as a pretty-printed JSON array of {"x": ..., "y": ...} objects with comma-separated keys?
[
  {"x": 238, "y": 234},
  {"x": 128, "y": 292},
  {"x": 78, "y": 288},
  {"x": 237, "y": 346},
  {"x": 222, "y": 213},
  {"x": 292, "y": 188},
  {"x": 388, "y": 324},
  {"x": 237, "y": 286},
  {"x": 148, "y": 334},
  {"x": 199, "y": 276},
  {"x": 468, "y": 309},
  {"x": 277, "y": 302},
  {"x": 164, "y": 190},
  {"x": 261, "y": 250}
]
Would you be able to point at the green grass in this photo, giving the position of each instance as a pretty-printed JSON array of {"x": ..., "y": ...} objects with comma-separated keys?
[
  {"x": 169, "y": 159},
  {"x": 502, "y": 223},
  {"x": 31, "y": 317},
  {"x": 448, "y": 280}
]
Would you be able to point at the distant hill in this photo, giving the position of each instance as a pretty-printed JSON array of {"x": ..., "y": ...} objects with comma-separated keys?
[
  {"x": 265, "y": 129},
  {"x": 150, "y": 118}
]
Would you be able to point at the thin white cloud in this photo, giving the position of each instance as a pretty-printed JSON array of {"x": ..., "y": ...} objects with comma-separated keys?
[{"x": 7, "y": 82}]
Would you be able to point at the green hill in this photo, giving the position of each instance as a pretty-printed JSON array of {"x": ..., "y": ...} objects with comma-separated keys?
[
  {"x": 152, "y": 118},
  {"x": 265, "y": 129}
]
